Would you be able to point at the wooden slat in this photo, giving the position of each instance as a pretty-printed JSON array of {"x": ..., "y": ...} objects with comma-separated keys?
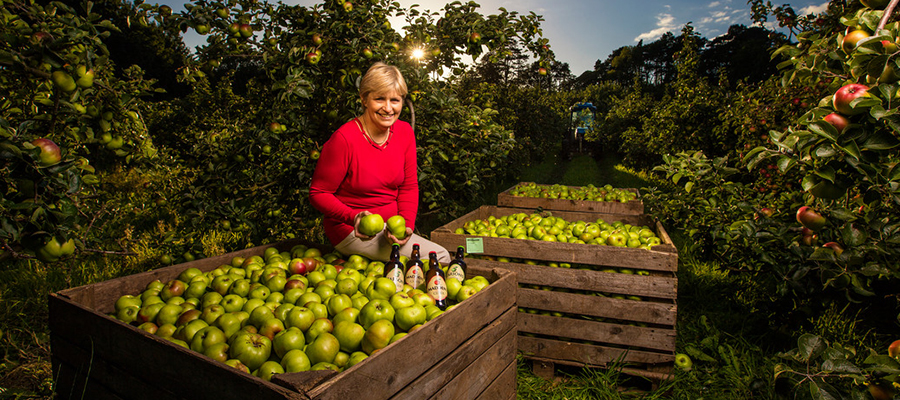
[
  {"x": 656, "y": 373},
  {"x": 637, "y": 337},
  {"x": 381, "y": 377},
  {"x": 603, "y": 307},
  {"x": 495, "y": 343},
  {"x": 572, "y": 353},
  {"x": 635, "y": 207},
  {"x": 504, "y": 387},
  {"x": 660, "y": 287}
]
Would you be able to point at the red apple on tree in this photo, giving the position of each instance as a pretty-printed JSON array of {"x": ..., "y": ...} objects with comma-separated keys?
[
  {"x": 846, "y": 94},
  {"x": 542, "y": 71},
  {"x": 50, "y": 153},
  {"x": 838, "y": 249},
  {"x": 317, "y": 39},
  {"x": 838, "y": 121},
  {"x": 894, "y": 349},
  {"x": 313, "y": 58},
  {"x": 475, "y": 37},
  {"x": 348, "y": 6},
  {"x": 810, "y": 218}
]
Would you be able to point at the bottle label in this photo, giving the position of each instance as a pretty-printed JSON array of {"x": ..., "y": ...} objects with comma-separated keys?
[
  {"x": 456, "y": 271},
  {"x": 396, "y": 275},
  {"x": 437, "y": 288},
  {"x": 415, "y": 277}
]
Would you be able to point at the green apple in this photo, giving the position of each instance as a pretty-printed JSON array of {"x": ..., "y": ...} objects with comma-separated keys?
[
  {"x": 401, "y": 300},
  {"x": 251, "y": 349},
  {"x": 260, "y": 315},
  {"x": 356, "y": 357},
  {"x": 271, "y": 327},
  {"x": 300, "y": 317},
  {"x": 127, "y": 301},
  {"x": 683, "y": 361},
  {"x": 397, "y": 226},
  {"x": 287, "y": 340},
  {"x": 229, "y": 323},
  {"x": 350, "y": 335},
  {"x": 295, "y": 361},
  {"x": 349, "y": 314},
  {"x": 323, "y": 349},
  {"x": 409, "y": 316},
  {"x": 465, "y": 291},
  {"x": 128, "y": 314},
  {"x": 218, "y": 352},
  {"x": 432, "y": 312},
  {"x": 338, "y": 303},
  {"x": 237, "y": 364},
  {"x": 381, "y": 289},
  {"x": 168, "y": 314},
  {"x": 252, "y": 304},
  {"x": 318, "y": 327},
  {"x": 371, "y": 224},
  {"x": 232, "y": 303},
  {"x": 206, "y": 337},
  {"x": 377, "y": 336},
  {"x": 269, "y": 369},
  {"x": 375, "y": 310}
]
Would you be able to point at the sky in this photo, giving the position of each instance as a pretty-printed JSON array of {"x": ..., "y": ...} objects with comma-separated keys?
[{"x": 584, "y": 31}]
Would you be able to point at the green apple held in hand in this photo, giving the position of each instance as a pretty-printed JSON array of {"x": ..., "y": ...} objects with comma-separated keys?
[
  {"x": 371, "y": 225},
  {"x": 397, "y": 226}
]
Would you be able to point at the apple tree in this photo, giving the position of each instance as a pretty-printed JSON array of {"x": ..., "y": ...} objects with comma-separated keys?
[{"x": 60, "y": 85}]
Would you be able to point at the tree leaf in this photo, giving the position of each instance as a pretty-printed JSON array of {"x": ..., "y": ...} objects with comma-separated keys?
[{"x": 810, "y": 346}]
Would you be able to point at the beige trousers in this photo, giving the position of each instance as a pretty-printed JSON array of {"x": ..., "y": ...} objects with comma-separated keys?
[{"x": 379, "y": 248}]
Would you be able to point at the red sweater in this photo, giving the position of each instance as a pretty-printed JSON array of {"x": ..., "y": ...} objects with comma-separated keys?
[{"x": 354, "y": 174}]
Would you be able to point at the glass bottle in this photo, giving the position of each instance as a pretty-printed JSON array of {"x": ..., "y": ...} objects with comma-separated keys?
[
  {"x": 394, "y": 269},
  {"x": 436, "y": 282},
  {"x": 457, "y": 268},
  {"x": 415, "y": 269}
]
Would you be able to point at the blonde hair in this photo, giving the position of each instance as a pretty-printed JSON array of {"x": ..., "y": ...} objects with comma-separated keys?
[{"x": 382, "y": 78}]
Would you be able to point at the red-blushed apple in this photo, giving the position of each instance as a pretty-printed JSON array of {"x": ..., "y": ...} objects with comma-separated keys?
[
  {"x": 894, "y": 349},
  {"x": 810, "y": 218},
  {"x": 50, "y": 153},
  {"x": 313, "y": 58},
  {"x": 845, "y": 95},
  {"x": 237, "y": 364},
  {"x": 852, "y": 38},
  {"x": 542, "y": 71},
  {"x": 475, "y": 37},
  {"x": 838, "y": 121},
  {"x": 837, "y": 248}
]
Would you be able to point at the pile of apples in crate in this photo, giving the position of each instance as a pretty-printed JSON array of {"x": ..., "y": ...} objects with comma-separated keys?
[
  {"x": 536, "y": 226},
  {"x": 286, "y": 311},
  {"x": 589, "y": 192}
]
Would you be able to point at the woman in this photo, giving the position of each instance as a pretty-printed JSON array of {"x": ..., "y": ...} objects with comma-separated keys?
[{"x": 368, "y": 166}]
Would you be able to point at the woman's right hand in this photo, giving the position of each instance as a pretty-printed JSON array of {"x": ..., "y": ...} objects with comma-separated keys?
[{"x": 356, "y": 226}]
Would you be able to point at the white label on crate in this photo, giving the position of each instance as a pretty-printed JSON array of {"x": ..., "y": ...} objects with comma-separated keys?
[{"x": 474, "y": 245}]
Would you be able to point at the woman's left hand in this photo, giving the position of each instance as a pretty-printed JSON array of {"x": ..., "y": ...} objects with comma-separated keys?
[{"x": 394, "y": 239}]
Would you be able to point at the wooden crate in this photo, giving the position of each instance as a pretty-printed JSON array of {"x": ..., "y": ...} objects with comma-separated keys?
[
  {"x": 633, "y": 207},
  {"x": 593, "y": 330},
  {"x": 465, "y": 353}
]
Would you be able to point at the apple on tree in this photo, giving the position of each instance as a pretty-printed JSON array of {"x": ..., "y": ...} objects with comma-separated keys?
[
  {"x": 845, "y": 95},
  {"x": 810, "y": 219},
  {"x": 50, "y": 153}
]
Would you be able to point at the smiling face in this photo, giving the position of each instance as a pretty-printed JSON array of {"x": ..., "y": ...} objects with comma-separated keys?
[{"x": 381, "y": 110}]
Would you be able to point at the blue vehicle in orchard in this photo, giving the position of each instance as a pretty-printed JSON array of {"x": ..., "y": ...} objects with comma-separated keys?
[{"x": 581, "y": 125}]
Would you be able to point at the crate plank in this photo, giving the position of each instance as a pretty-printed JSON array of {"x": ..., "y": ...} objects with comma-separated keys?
[
  {"x": 504, "y": 387},
  {"x": 480, "y": 374},
  {"x": 602, "y": 307},
  {"x": 579, "y": 354},
  {"x": 506, "y": 199},
  {"x": 616, "y": 334},
  {"x": 498, "y": 339},
  {"x": 660, "y": 287}
]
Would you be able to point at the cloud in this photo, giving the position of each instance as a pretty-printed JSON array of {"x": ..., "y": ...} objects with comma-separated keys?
[
  {"x": 714, "y": 4},
  {"x": 814, "y": 9},
  {"x": 664, "y": 23}
]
